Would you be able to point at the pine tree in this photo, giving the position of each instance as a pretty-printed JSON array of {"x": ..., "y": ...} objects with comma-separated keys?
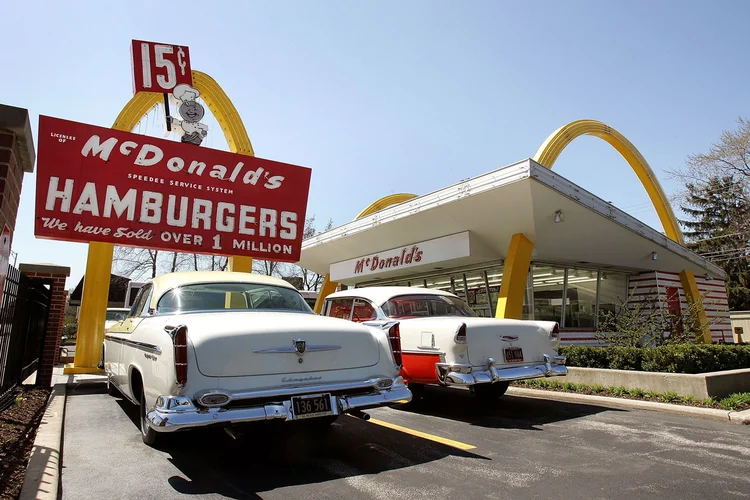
[{"x": 719, "y": 230}]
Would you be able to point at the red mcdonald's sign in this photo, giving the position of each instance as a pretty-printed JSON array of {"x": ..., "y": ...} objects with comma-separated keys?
[{"x": 98, "y": 184}]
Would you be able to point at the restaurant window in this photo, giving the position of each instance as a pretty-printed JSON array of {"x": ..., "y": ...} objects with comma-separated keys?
[
  {"x": 476, "y": 293},
  {"x": 613, "y": 292},
  {"x": 548, "y": 293},
  {"x": 340, "y": 308},
  {"x": 580, "y": 306}
]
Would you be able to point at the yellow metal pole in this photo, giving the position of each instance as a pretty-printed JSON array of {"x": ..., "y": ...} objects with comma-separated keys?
[
  {"x": 240, "y": 264},
  {"x": 693, "y": 295},
  {"x": 515, "y": 273},
  {"x": 326, "y": 289},
  {"x": 93, "y": 309}
]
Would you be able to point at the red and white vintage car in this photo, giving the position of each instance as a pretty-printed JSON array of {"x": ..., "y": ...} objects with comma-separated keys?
[{"x": 444, "y": 343}]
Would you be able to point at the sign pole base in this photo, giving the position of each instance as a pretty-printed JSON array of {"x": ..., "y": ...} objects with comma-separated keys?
[{"x": 93, "y": 309}]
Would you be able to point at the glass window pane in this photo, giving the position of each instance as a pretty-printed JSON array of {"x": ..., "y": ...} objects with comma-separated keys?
[
  {"x": 363, "y": 311},
  {"x": 340, "y": 308},
  {"x": 476, "y": 293},
  {"x": 548, "y": 293},
  {"x": 613, "y": 291},
  {"x": 580, "y": 308}
]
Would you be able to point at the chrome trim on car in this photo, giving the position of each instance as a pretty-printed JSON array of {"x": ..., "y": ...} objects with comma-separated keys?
[
  {"x": 202, "y": 398},
  {"x": 143, "y": 346},
  {"x": 173, "y": 413},
  {"x": 295, "y": 350},
  {"x": 509, "y": 338},
  {"x": 466, "y": 374},
  {"x": 293, "y": 390}
]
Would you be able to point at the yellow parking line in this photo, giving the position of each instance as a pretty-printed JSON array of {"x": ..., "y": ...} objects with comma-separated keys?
[{"x": 424, "y": 435}]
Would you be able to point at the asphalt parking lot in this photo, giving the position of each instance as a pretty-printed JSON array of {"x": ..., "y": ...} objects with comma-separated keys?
[{"x": 448, "y": 446}]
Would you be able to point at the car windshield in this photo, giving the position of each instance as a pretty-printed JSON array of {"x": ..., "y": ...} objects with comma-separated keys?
[
  {"x": 116, "y": 315},
  {"x": 224, "y": 296},
  {"x": 417, "y": 306}
]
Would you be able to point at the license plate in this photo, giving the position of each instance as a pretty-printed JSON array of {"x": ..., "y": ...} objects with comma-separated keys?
[
  {"x": 318, "y": 405},
  {"x": 513, "y": 354}
]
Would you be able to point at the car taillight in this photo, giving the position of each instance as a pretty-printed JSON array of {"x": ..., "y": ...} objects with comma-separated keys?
[
  {"x": 394, "y": 336},
  {"x": 555, "y": 333},
  {"x": 179, "y": 340},
  {"x": 461, "y": 334}
]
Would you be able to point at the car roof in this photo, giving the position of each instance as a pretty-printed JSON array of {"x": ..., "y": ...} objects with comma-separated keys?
[
  {"x": 166, "y": 282},
  {"x": 380, "y": 294}
]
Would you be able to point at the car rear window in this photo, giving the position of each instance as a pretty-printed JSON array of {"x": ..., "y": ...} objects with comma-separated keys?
[
  {"x": 223, "y": 296},
  {"x": 416, "y": 306}
]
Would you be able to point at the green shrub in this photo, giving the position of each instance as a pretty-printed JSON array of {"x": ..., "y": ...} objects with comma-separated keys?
[
  {"x": 709, "y": 401},
  {"x": 670, "y": 397},
  {"x": 672, "y": 358},
  {"x": 554, "y": 384},
  {"x": 651, "y": 394},
  {"x": 618, "y": 390},
  {"x": 597, "y": 389},
  {"x": 735, "y": 401},
  {"x": 637, "y": 392}
]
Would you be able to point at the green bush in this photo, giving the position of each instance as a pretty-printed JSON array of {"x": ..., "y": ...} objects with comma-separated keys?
[
  {"x": 618, "y": 390},
  {"x": 735, "y": 401},
  {"x": 673, "y": 358},
  {"x": 670, "y": 397}
]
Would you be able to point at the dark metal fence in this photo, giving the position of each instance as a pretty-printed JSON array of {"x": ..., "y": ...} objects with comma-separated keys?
[{"x": 23, "y": 322}]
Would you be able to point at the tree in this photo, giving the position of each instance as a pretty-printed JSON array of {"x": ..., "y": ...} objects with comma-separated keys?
[
  {"x": 144, "y": 263},
  {"x": 730, "y": 157},
  {"x": 718, "y": 228}
]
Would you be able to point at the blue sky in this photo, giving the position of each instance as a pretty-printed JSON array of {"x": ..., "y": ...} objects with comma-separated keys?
[{"x": 384, "y": 97}]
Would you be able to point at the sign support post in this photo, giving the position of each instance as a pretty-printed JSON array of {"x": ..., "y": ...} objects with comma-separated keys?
[{"x": 93, "y": 309}]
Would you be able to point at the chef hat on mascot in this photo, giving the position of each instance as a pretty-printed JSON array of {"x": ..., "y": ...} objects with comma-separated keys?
[{"x": 184, "y": 92}]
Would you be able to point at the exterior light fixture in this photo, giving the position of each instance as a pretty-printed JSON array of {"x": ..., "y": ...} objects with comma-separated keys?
[
  {"x": 654, "y": 256},
  {"x": 604, "y": 276},
  {"x": 708, "y": 278},
  {"x": 558, "y": 216}
]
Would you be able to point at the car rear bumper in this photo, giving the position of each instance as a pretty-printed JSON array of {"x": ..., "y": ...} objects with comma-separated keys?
[
  {"x": 172, "y": 413},
  {"x": 466, "y": 375}
]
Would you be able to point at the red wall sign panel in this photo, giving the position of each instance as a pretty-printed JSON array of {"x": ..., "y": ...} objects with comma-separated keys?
[
  {"x": 159, "y": 67},
  {"x": 98, "y": 184}
]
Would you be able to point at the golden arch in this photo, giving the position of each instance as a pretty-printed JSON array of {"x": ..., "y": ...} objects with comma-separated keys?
[
  {"x": 99, "y": 263},
  {"x": 560, "y": 138}
]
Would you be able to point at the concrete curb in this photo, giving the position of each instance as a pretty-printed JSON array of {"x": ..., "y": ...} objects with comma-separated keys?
[
  {"x": 42, "y": 480},
  {"x": 735, "y": 417}
]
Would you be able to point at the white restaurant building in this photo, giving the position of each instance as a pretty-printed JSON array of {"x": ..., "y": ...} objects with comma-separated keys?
[{"x": 588, "y": 256}]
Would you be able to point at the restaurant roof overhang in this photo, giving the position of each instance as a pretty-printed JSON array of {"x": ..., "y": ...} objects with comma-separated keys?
[{"x": 520, "y": 198}]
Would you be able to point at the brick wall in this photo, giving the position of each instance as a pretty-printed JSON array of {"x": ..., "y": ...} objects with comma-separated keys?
[
  {"x": 53, "y": 335},
  {"x": 11, "y": 178}
]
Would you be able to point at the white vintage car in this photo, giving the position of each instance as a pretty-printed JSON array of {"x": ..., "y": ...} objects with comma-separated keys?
[
  {"x": 222, "y": 348},
  {"x": 443, "y": 342}
]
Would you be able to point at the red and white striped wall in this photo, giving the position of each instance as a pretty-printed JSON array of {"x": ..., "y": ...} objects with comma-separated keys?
[
  {"x": 657, "y": 284},
  {"x": 714, "y": 298}
]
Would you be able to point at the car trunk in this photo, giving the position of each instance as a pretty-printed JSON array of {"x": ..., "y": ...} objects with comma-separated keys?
[
  {"x": 487, "y": 338},
  {"x": 239, "y": 344}
]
